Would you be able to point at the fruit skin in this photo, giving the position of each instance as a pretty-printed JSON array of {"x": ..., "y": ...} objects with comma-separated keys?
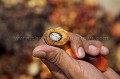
[
  {"x": 69, "y": 51},
  {"x": 99, "y": 61}
]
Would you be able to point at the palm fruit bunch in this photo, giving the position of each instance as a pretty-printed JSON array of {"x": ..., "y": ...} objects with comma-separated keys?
[
  {"x": 21, "y": 26},
  {"x": 74, "y": 16}
]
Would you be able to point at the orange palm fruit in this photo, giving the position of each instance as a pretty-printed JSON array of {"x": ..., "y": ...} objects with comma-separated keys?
[{"x": 60, "y": 38}]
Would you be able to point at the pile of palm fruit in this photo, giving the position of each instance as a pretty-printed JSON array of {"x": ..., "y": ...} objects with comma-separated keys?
[{"x": 23, "y": 22}]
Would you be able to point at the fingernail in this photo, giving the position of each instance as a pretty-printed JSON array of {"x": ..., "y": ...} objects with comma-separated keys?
[
  {"x": 81, "y": 52},
  {"x": 104, "y": 50},
  {"x": 39, "y": 54},
  {"x": 93, "y": 49}
]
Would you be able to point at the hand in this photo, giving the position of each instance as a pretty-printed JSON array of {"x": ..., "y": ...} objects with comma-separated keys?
[{"x": 63, "y": 66}]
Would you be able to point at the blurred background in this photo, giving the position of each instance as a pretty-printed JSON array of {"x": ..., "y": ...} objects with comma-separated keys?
[{"x": 23, "y": 22}]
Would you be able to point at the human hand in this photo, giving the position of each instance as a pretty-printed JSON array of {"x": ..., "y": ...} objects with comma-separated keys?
[{"x": 62, "y": 66}]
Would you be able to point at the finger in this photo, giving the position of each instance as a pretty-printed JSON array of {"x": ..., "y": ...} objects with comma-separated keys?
[
  {"x": 58, "y": 57},
  {"x": 111, "y": 74},
  {"x": 102, "y": 48},
  {"x": 76, "y": 45},
  {"x": 57, "y": 73},
  {"x": 53, "y": 68},
  {"x": 41, "y": 42},
  {"x": 93, "y": 47}
]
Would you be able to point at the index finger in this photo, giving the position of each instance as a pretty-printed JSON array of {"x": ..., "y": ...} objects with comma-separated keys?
[{"x": 41, "y": 42}]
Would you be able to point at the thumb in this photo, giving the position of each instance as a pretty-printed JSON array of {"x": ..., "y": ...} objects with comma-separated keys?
[{"x": 58, "y": 57}]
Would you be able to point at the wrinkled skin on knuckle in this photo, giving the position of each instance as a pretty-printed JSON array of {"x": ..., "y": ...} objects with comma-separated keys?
[
  {"x": 55, "y": 57},
  {"x": 90, "y": 72},
  {"x": 75, "y": 72}
]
